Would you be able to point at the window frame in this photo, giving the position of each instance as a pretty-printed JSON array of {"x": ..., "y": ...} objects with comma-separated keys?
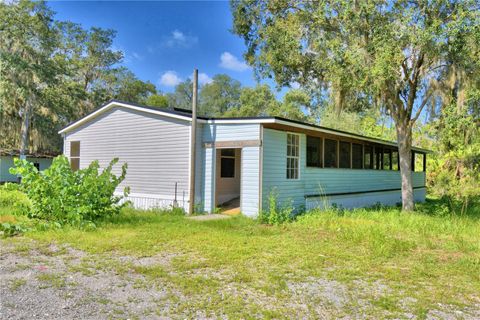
[{"x": 292, "y": 158}]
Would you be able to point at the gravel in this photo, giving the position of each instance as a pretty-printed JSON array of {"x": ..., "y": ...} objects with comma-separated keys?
[{"x": 52, "y": 282}]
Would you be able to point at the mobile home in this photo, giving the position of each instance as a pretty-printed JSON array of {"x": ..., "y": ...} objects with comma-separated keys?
[
  {"x": 40, "y": 160},
  {"x": 239, "y": 161}
]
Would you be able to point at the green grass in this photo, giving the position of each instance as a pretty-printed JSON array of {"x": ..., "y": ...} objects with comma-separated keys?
[
  {"x": 423, "y": 257},
  {"x": 16, "y": 283}
]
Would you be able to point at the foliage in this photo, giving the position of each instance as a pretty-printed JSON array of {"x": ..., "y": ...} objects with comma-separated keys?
[
  {"x": 276, "y": 215},
  {"x": 182, "y": 96},
  {"x": 53, "y": 72},
  {"x": 13, "y": 202},
  {"x": 157, "y": 100},
  {"x": 455, "y": 172},
  {"x": 357, "y": 54},
  {"x": 219, "y": 96},
  {"x": 61, "y": 195}
]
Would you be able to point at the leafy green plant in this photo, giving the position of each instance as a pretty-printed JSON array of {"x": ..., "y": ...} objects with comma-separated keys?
[
  {"x": 13, "y": 202},
  {"x": 276, "y": 214},
  {"x": 9, "y": 229},
  {"x": 61, "y": 195}
]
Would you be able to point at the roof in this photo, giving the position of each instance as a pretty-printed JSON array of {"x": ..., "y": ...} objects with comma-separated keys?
[
  {"x": 16, "y": 153},
  {"x": 187, "y": 116}
]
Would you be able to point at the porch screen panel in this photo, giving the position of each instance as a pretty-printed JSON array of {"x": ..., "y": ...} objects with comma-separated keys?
[
  {"x": 314, "y": 152},
  {"x": 330, "y": 153},
  {"x": 356, "y": 156},
  {"x": 344, "y": 154}
]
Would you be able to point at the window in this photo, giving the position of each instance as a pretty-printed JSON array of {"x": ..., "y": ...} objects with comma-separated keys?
[
  {"x": 293, "y": 155},
  {"x": 227, "y": 163},
  {"x": 387, "y": 160},
  {"x": 75, "y": 155},
  {"x": 368, "y": 158},
  {"x": 344, "y": 154},
  {"x": 356, "y": 156},
  {"x": 37, "y": 165},
  {"x": 314, "y": 152},
  {"x": 330, "y": 149},
  {"x": 395, "y": 161}
]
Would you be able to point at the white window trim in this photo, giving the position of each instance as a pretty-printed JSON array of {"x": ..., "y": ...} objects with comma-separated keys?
[{"x": 297, "y": 157}]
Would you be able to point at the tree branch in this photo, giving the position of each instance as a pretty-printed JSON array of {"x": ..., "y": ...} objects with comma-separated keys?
[{"x": 422, "y": 105}]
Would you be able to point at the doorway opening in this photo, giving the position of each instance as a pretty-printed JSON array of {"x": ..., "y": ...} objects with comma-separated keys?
[{"x": 228, "y": 180}]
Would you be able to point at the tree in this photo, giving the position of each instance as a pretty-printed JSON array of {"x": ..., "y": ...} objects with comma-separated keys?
[
  {"x": 219, "y": 96},
  {"x": 256, "y": 101},
  {"x": 296, "y": 103},
  {"x": 389, "y": 54},
  {"x": 53, "y": 72},
  {"x": 122, "y": 84},
  {"x": 157, "y": 100},
  {"x": 182, "y": 96},
  {"x": 25, "y": 65}
]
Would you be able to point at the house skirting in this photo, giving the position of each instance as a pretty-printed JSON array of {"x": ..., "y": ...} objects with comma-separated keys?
[
  {"x": 146, "y": 201},
  {"x": 361, "y": 199}
]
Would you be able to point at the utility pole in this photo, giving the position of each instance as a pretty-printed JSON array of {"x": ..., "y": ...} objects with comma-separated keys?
[{"x": 193, "y": 143}]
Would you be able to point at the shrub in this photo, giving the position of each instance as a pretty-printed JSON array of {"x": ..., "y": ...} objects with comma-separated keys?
[
  {"x": 276, "y": 215},
  {"x": 13, "y": 202},
  {"x": 63, "y": 196}
]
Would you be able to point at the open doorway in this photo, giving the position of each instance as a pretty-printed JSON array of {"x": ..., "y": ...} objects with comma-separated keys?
[{"x": 228, "y": 177}]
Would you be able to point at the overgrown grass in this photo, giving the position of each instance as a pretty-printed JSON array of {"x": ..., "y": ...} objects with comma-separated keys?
[{"x": 429, "y": 256}]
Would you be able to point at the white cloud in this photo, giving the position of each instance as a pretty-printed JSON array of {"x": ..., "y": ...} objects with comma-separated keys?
[
  {"x": 230, "y": 62},
  {"x": 137, "y": 56},
  {"x": 178, "y": 39},
  {"x": 170, "y": 79},
  {"x": 203, "y": 78}
]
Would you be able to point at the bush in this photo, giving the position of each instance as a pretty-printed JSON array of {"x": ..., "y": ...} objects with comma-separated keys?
[
  {"x": 13, "y": 202},
  {"x": 276, "y": 215},
  {"x": 63, "y": 196}
]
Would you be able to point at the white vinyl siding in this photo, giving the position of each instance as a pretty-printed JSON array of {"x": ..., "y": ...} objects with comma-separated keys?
[{"x": 156, "y": 149}]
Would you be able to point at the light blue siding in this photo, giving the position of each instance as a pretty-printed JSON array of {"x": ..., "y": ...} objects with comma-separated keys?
[
  {"x": 231, "y": 132},
  {"x": 250, "y": 181},
  {"x": 250, "y": 159},
  {"x": 199, "y": 169},
  {"x": 6, "y": 162},
  {"x": 314, "y": 181},
  {"x": 209, "y": 179}
]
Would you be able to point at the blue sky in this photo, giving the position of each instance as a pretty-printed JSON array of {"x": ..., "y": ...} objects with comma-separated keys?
[{"x": 164, "y": 41}]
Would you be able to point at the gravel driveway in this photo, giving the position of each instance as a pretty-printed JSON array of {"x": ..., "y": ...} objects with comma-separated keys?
[{"x": 52, "y": 282}]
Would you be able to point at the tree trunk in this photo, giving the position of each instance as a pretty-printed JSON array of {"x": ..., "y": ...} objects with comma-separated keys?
[
  {"x": 404, "y": 138},
  {"x": 26, "y": 116}
]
